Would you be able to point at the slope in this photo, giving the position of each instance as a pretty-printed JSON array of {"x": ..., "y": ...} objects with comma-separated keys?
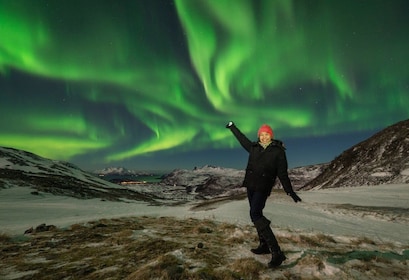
[{"x": 381, "y": 159}]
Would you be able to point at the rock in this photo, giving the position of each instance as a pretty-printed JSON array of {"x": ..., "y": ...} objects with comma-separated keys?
[
  {"x": 40, "y": 228},
  {"x": 28, "y": 231}
]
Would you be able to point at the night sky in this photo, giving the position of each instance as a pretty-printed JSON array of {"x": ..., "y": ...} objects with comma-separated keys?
[{"x": 150, "y": 85}]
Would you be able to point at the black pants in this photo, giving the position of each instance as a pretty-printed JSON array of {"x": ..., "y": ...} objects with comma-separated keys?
[{"x": 257, "y": 202}]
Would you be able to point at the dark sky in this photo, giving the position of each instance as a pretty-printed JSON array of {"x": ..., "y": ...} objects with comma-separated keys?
[{"x": 150, "y": 85}]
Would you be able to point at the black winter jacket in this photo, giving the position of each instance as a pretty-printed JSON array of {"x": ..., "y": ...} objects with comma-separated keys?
[{"x": 264, "y": 165}]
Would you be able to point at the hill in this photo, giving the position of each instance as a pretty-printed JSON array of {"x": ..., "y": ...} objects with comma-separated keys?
[
  {"x": 381, "y": 159},
  {"x": 21, "y": 168}
]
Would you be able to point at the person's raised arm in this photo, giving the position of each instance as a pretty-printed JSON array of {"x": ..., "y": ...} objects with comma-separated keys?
[{"x": 243, "y": 140}]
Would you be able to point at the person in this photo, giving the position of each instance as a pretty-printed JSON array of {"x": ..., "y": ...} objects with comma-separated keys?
[{"x": 267, "y": 160}]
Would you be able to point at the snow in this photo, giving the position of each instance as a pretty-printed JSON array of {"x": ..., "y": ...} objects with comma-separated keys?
[
  {"x": 4, "y": 162},
  {"x": 405, "y": 172},
  {"x": 378, "y": 212},
  {"x": 348, "y": 215},
  {"x": 381, "y": 174}
]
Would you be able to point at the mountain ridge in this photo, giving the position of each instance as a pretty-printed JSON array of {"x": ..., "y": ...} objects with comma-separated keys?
[
  {"x": 381, "y": 159},
  {"x": 22, "y": 168}
]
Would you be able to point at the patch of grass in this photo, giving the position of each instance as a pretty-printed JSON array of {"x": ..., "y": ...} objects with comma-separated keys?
[
  {"x": 379, "y": 271},
  {"x": 150, "y": 249},
  {"x": 4, "y": 238},
  {"x": 247, "y": 268},
  {"x": 362, "y": 241},
  {"x": 312, "y": 261},
  {"x": 165, "y": 267},
  {"x": 288, "y": 275},
  {"x": 322, "y": 238},
  {"x": 313, "y": 240},
  {"x": 209, "y": 273},
  {"x": 170, "y": 248}
]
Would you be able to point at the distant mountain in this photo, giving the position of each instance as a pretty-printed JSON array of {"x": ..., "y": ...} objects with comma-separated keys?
[
  {"x": 21, "y": 168},
  {"x": 300, "y": 176},
  {"x": 218, "y": 181},
  {"x": 381, "y": 159},
  {"x": 115, "y": 170},
  {"x": 207, "y": 180},
  {"x": 121, "y": 171},
  {"x": 120, "y": 175}
]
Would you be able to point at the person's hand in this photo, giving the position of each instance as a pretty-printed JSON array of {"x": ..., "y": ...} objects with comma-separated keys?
[
  {"x": 229, "y": 124},
  {"x": 294, "y": 196}
]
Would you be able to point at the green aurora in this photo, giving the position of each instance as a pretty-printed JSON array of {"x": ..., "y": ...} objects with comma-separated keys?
[{"x": 106, "y": 82}]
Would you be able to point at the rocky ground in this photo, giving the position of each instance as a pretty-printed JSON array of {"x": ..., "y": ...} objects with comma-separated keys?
[{"x": 170, "y": 248}]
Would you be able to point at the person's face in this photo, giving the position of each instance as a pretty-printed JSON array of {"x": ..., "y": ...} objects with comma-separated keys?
[{"x": 265, "y": 137}]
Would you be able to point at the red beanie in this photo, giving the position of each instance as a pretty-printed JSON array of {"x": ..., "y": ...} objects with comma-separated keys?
[{"x": 265, "y": 128}]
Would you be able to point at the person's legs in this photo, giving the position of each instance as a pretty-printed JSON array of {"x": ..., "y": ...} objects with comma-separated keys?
[
  {"x": 263, "y": 226},
  {"x": 268, "y": 242},
  {"x": 257, "y": 202}
]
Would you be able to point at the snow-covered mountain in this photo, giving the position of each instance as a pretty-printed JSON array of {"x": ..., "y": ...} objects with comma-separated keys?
[
  {"x": 120, "y": 175},
  {"x": 207, "y": 180},
  {"x": 121, "y": 171},
  {"x": 21, "y": 168},
  {"x": 115, "y": 170},
  {"x": 381, "y": 159},
  {"x": 217, "y": 181},
  {"x": 300, "y": 176}
]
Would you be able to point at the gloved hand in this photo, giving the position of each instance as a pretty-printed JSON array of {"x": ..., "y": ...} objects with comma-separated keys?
[
  {"x": 229, "y": 124},
  {"x": 294, "y": 196}
]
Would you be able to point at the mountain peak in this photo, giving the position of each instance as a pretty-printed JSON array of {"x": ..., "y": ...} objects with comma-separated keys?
[{"x": 381, "y": 159}]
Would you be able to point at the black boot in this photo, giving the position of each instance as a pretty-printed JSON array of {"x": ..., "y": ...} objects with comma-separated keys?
[
  {"x": 277, "y": 257},
  {"x": 262, "y": 247},
  {"x": 263, "y": 227}
]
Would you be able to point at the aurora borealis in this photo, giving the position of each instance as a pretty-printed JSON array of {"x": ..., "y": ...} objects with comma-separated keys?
[{"x": 151, "y": 84}]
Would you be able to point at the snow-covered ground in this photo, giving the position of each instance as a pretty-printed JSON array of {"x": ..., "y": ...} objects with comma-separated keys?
[
  {"x": 346, "y": 233},
  {"x": 378, "y": 212}
]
